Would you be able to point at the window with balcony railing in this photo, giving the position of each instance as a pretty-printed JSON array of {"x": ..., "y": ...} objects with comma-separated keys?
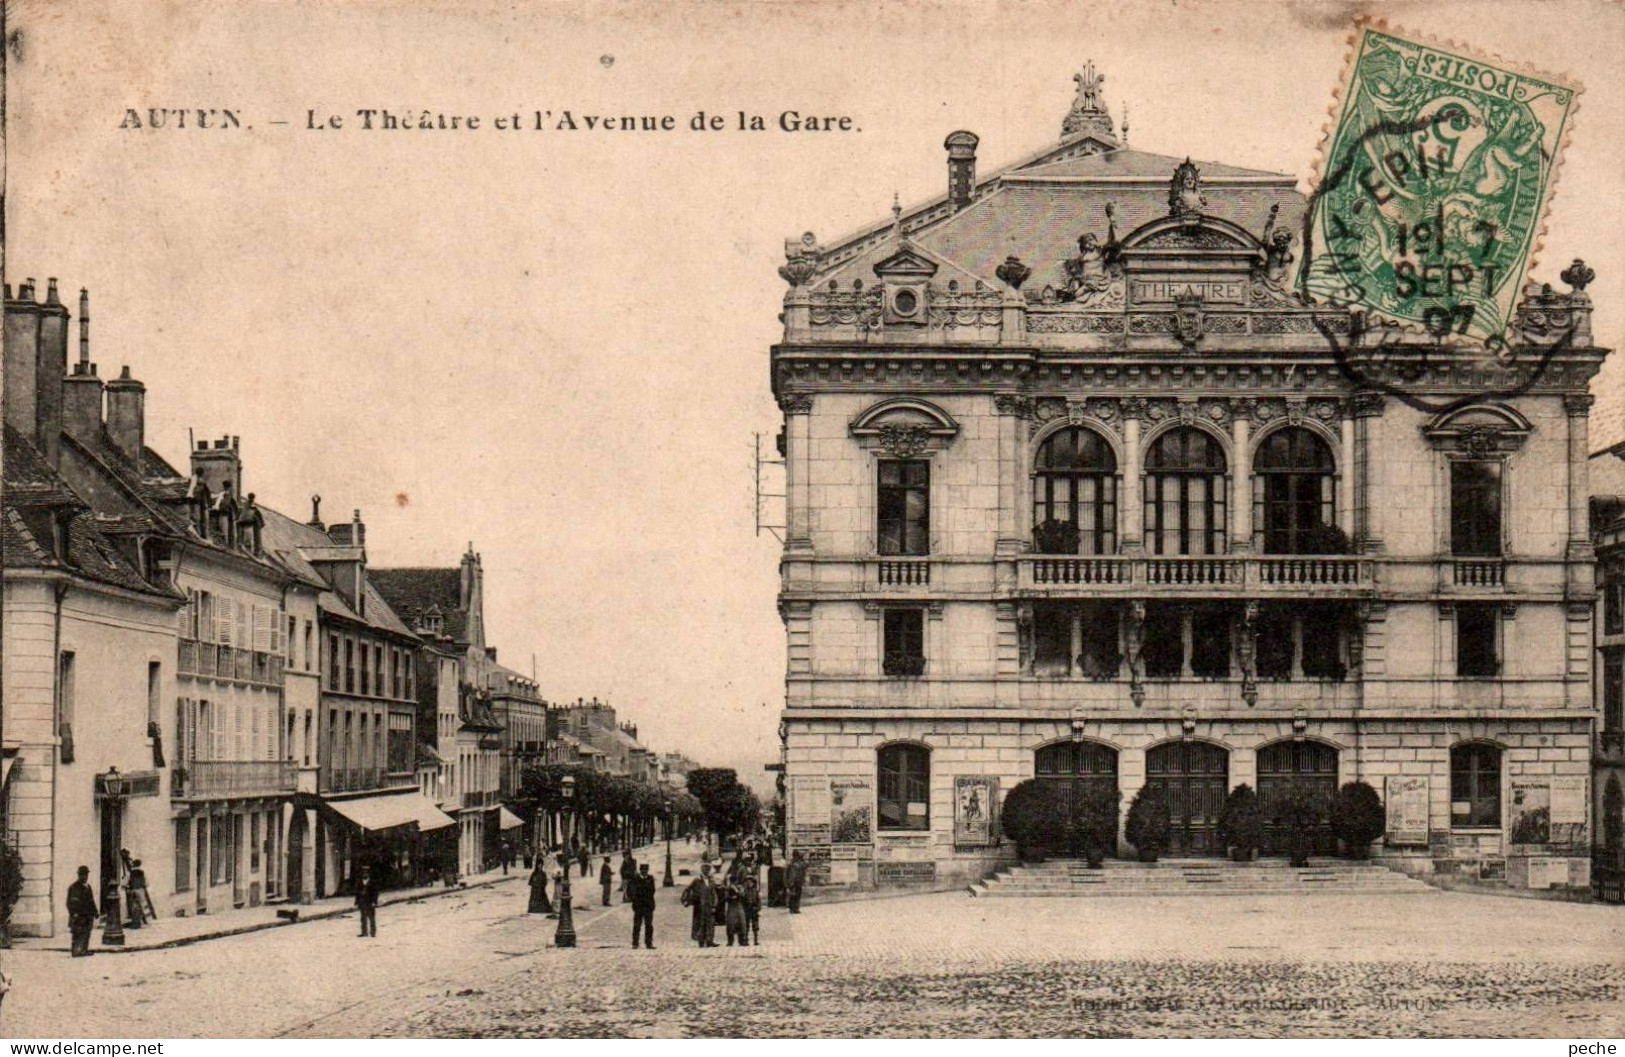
[
  {"x": 1075, "y": 494},
  {"x": 904, "y": 507},
  {"x": 1185, "y": 494},
  {"x": 1293, "y": 499},
  {"x": 1475, "y": 508}
]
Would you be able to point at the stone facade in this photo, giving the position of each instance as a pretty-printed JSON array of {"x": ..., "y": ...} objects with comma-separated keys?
[{"x": 1040, "y": 497}]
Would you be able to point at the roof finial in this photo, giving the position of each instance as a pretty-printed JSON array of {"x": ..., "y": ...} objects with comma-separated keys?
[
  {"x": 1125, "y": 123},
  {"x": 1088, "y": 116},
  {"x": 896, "y": 215}
]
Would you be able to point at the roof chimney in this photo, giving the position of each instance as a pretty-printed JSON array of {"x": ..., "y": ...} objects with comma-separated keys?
[
  {"x": 24, "y": 365},
  {"x": 81, "y": 390},
  {"x": 220, "y": 467},
  {"x": 126, "y": 413},
  {"x": 315, "y": 521},
  {"x": 961, "y": 147}
]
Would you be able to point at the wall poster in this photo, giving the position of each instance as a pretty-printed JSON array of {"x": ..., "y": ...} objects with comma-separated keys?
[
  {"x": 851, "y": 810},
  {"x": 809, "y": 800},
  {"x": 1529, "y": 819},
  {"x": 1406, "y": 803},
  {"x": 1568, "y": 804},
  {"x": 976, "y": 799}
]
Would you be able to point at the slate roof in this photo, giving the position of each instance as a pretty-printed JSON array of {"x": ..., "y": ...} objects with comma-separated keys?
[
  {"x": 285, "y": 539},
  {"x": 34, "y": 492},
  {"x": 1037, "y": 214},
  {"x": 414, "y": 592}
]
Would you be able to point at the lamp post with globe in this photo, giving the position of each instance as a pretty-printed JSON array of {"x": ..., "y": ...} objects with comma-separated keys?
[
  {"x": 566, "y": 934},
  {"x": 114, "y": 786}
]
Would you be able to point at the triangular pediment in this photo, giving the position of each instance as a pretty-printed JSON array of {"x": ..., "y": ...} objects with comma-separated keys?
[{"x": 906, "y": 263}]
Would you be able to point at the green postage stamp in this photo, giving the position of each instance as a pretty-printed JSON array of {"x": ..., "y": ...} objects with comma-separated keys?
[{"x": 1433, "y": 185}]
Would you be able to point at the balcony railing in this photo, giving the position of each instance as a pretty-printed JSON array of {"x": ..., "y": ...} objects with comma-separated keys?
[
  {"x": 229, "y": 662},
  {"x": 480, "y": 798},
  {"x": 903, "y": 572},
  {"x": 1241, "y": 572},
  {"x": 1479, "y": 572},
  {"x": 219, "y": 778}
]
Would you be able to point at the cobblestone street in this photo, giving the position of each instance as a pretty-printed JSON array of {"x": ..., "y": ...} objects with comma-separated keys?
[{"x": 472, "y": 964}]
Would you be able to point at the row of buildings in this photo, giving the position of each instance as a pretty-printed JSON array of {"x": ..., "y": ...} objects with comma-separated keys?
[
  {"x": 233, "y": 696},
  {"x": 1081, "y": 489}
]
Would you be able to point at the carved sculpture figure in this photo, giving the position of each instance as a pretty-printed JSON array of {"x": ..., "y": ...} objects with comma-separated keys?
[{"x": 1185, "y": 194}]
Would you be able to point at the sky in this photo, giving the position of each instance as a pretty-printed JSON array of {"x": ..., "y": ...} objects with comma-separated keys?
[{"x": 554, "y": 344}]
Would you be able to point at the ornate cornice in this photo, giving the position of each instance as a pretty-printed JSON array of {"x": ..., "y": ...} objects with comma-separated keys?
[
  {"x": 796, "y": 403},
  {"x": 1578, "y": 405},
  {"x": 1369, "y": 405}
]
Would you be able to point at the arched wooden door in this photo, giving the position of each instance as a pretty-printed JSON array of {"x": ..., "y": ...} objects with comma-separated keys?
[
  {"x": 1194, "y": 777},
  {"x": 1074, "y": 766},
  {"x": 1309, "y": 766}
]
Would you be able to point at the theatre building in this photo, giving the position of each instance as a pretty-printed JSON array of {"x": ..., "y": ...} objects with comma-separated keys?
[{"x": 1077, "y": 490}]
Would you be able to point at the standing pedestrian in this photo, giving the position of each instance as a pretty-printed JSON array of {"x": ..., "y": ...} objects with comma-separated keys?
[
  {"x": 505, "y": 853},
  {"x": 538, "y": 889},
  {"x": 81, "y": 913},
  {"x": 701, "y": 897},
  {"x": 629, "y": 870},
  {"x": 795, "y": 878},
  {"x": 606, "y": 878},
  {"x": 366, "y": 900},
  {"x": 750, "y": 897},
  {"x": 733, "y": 913},
  {"x": 136, "y": 892},
  {"x": 643, "y": 907},
  {"x": 583, "y": 858}
]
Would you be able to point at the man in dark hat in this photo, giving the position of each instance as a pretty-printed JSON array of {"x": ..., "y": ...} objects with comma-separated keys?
[
  {"x": 81, "y": 913},
  {"x": 366, "y": 900},
  {"x": 643, "y": 906}
]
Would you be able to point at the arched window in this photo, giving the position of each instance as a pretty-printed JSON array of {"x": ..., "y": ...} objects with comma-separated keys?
[
  {"x": 1184, "y": 494},
  {"x": 1295, "y": 489},
  {"x": 904, "y": 799},
  {"x": 1475, "y": 785},
  {"x": 1075, "y": 494}
]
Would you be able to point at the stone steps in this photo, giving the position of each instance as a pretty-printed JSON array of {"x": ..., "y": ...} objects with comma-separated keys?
[{"x": 1194, "y": 877}]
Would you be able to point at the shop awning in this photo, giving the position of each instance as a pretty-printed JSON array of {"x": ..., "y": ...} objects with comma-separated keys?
[
  {"x": 388, "y": 812},
  {"x": 509, "y": 820}
]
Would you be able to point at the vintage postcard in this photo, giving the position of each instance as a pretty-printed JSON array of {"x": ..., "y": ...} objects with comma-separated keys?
[{"x": 940, "y": 519}]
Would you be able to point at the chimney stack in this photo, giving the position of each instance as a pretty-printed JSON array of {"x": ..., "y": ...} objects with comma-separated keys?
[
  {"x": 315, "y": 521},
  {"x": 220, "y": 466},
  {"x": 81, "y": 390},
  {"x": 961, "y": 147},
  {"x": 23, "y": 363},
  {"x": 126, "y": 415}
]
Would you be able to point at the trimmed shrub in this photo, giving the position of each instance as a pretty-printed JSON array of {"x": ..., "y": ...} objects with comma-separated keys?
[
  {"x": 1094, "y": 821},
  {"x": 1302, "y": 815},
  {"x": 1148, "y": 823},
  {"x": 1034, "y": 816},
  {"x": 1358, "y": 818},
  {"x": 1241, "y": 822}
]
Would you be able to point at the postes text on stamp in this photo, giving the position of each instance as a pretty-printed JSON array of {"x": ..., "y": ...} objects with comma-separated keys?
[{"x": 1433, "y": 185}]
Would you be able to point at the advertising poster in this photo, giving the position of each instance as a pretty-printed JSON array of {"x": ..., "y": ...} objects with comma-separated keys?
[
  {"x": 851, "y": 810},
  {"x": 976, "y": 798},
  {"x": 1568, "y": 804},
  {"x": 809, "y": 800},
  {"x": 1530, "y": 817},
  {"x": 1407, "y": 806}
]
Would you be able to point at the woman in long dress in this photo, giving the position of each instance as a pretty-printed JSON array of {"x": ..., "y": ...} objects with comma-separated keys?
[{"x": 539, "y": 903}]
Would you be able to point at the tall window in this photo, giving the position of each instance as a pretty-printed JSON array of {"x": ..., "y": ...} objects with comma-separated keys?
[
  {"x": 1477, "y": 652},
  {"x": 1184, "y": 493},
  {"x": 333, "y": 662},
  {"x": 1075, "y": 495},
  {"x": 904, "y": 799},
  {"x": 154, "y": 681},
  {"x": 366, "y": 681},
  {"x": 904, "y": 634},
  {"x": 67, "y": 691},
  {"x": 1475, "y": 785},
  {"x": 349, "y": 666},
  {"x": 1475, "y": 509},
  {"x": 183, "y": 855},
  {"x": 310, "y": 659},
  {"x": 905, "y": 507},
  {"x": 1613, "y": 691},
  {"x": 1295, "y": 489},
  {"x": 1613, "y": 602}
]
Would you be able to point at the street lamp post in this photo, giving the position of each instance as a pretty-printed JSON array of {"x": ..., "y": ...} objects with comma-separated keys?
[
  {"x": 668, "y": 881},
  {"x": 566, "y": 934},
  {"x": 112, "y": 896}
]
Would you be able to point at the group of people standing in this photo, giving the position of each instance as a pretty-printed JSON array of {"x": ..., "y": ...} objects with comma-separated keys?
[
  {"x": 730, "y": 898},
  {"x": 83, "y": 911}
]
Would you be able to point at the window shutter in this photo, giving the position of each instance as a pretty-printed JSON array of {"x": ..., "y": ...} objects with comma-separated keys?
[
  {"x": 227, "y": 612},
  {"x": 206, "y": 628}
]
